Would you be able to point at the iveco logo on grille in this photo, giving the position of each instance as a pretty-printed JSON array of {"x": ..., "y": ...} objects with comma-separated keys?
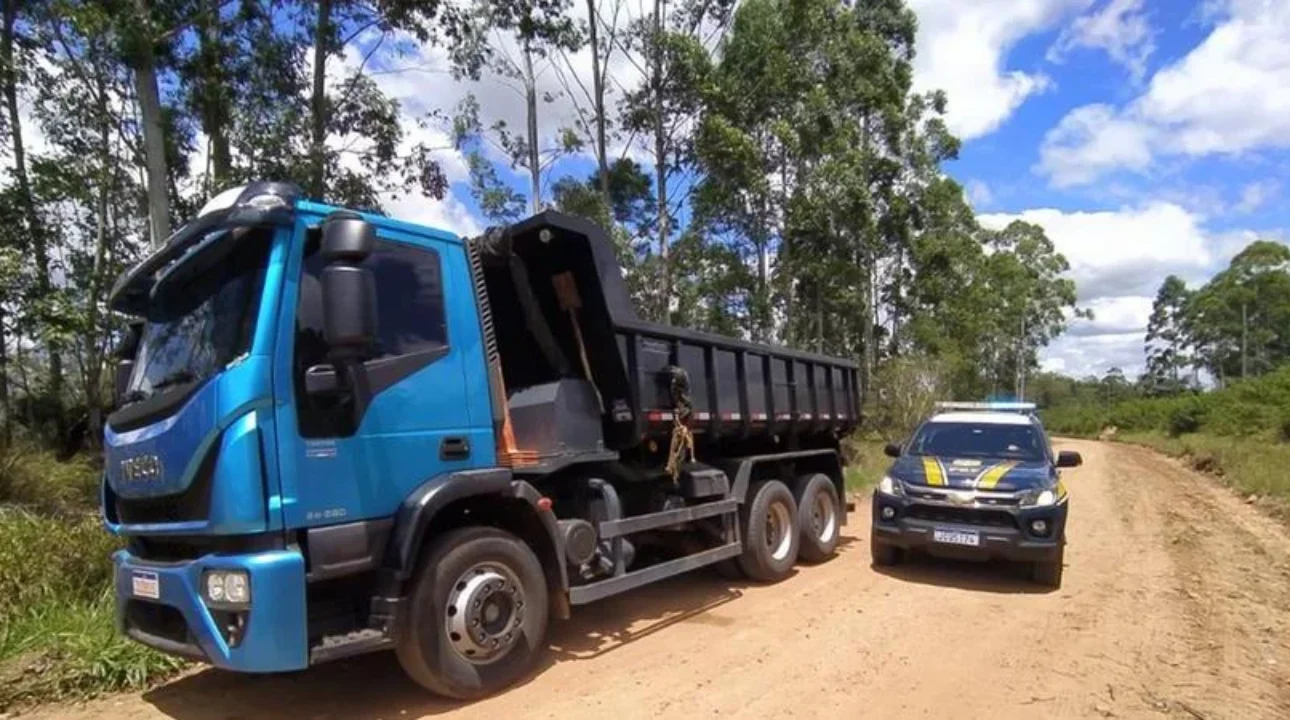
[{"x": 140, "y": 468}]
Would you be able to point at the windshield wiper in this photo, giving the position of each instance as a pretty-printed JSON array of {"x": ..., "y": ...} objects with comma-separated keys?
[
  {"x": 133, "y": 396},
  {"x": 175, "y": 378}
]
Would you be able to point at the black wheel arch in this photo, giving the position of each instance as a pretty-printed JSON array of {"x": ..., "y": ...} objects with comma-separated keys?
[{"x": 490, "y": 497}]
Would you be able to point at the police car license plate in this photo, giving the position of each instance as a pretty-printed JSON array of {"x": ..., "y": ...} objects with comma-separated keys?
[
  {"x": 956, "y": 537},
  {"x": 145, "y": 585}
]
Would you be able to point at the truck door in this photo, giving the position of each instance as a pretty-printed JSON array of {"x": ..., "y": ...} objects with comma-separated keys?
[{"x": 424, "y": 417}]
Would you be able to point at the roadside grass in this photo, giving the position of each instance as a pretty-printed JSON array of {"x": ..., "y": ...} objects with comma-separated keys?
[
  {"x": 57, "y": 635},
  {"x": 867, "y": 463}
]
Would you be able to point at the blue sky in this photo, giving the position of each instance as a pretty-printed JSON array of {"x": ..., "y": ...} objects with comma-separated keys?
[{"x": 1147, "y": 137}]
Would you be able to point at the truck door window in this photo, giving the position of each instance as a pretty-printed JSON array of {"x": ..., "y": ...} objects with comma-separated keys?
[{"x": 412, "y": 330}]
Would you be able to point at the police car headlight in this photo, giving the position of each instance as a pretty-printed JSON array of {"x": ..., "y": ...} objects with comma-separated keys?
[
  {"x": 1043, "y": 498},
  {"x": 890, "y": 486}
]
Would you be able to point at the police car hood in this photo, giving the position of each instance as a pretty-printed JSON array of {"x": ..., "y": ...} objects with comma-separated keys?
[{"x": 983, "y": 473}]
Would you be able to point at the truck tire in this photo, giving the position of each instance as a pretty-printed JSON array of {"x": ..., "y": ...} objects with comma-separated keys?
[
  {"x": 1049, "y": 572},
  {"x": 477, "y": 615},
  {"x": 819, "y": 517},
  {"x": 771, "y": 532}
]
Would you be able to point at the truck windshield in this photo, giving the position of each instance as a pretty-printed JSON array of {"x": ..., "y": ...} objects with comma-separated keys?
[
  {"x": 972, "y": 440},
  {"x": 197, "y": 325}
]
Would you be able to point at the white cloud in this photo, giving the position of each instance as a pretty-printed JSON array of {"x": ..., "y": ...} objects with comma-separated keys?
[
  {"x": 448, "y": 214},
  {"x": 1118, "y": 259},
  {"x": 1124, "y": 252},
  {"x": 962, "y": 49},
  {"x": 978, "y": 193},
  {"x": 1229, "y": 95},
  {"x": 1092, "y": 140},
  {"x": 1257, "y": 194},
  {"x": 1119, "y": 27},
  {"x": 1093, "y": 355}
]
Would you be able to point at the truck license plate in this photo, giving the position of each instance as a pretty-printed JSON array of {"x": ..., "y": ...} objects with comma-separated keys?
[
  {"x": 956, "y": 537},
  {"x": 145, "y": 585}
]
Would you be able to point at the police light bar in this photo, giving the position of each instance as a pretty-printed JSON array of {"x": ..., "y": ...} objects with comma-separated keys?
[{"x": 988, "y": 406}]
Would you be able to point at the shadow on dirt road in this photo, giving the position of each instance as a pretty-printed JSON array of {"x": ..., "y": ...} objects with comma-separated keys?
[
  {"x": 374, "y": 686},
  {"x": 994, "y": 576}
]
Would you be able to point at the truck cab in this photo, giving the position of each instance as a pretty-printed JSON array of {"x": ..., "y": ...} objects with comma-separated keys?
[{"x": 338, "y": 433}]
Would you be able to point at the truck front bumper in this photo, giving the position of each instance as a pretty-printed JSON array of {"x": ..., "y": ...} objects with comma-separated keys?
[
  {"x": 269, "y": 634},
  {"x": 1002, "y": 534}
]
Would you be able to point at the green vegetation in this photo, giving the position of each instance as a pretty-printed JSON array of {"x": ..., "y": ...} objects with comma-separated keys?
[
  {"x": 57, "y": 637},
  {"x": 1241, "y": 432},
  {"x": 867, "y": 463}
]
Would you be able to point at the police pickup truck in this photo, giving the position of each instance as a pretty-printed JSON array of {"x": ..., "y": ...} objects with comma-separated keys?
[{"x": 976, "y": 481}]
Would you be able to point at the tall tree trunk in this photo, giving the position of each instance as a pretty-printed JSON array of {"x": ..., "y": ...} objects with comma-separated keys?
[
  {"x": 531, "y": 117},
  {"x": 214, "y": 111},
  {"x": 93, "y": 358},
  {"x": 6, "y": 422},
  {"x": 598, "y": 98},
  {"x": 154, "y": 139},
  {"x": 35, "y": 229},
  {"x": 660, "y": 165},
  {"x": 318, "y": 103}
]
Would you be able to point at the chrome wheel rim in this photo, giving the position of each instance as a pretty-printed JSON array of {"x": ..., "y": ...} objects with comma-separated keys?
[
  {"x": 824, "y": 517},
  {"x": 484, "y": 613}
]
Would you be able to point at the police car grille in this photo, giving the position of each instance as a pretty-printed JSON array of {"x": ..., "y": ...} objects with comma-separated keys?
[{"x": 961, "y": 516}]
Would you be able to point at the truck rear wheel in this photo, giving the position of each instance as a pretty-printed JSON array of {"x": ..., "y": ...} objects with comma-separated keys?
[
  {"x": 477, "y": 615},
  {"x": 771, "y": 532},
  {"x": 817, "y": 514}
]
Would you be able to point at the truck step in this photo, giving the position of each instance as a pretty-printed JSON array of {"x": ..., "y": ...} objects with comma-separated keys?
[
  {"x": 612, "y": 586},
  {"x": 334, "y": 647},
  {"x": 700, "y": 481},
  {"x": 653, "y": 521}
]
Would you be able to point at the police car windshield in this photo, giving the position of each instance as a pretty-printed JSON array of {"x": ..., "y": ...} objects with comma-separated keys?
[{"x": 983, "y": 440}]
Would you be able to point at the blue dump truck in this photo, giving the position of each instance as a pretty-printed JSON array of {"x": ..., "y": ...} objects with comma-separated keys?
[{"x": 339, "y": 433}]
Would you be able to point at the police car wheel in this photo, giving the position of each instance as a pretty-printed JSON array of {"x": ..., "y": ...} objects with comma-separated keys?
[
  {"x": 771, "y": 533},
  {"x": 1049, "y": 573},
  {"x": 477, "y": 617},
  {"x": 818, "y": 515},
  {"x": 883, "y": 554}
]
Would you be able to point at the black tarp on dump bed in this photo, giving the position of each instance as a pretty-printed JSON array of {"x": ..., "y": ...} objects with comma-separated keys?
[{"x": 738, "y": 388}]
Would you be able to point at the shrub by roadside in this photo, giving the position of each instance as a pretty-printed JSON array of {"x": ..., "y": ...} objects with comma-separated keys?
[
  {"x": 57, "y": 637},
  {"x": 867, "y": 463}
]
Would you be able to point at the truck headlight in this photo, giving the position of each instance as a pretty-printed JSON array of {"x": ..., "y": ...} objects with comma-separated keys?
[
  {"x": 227, "y": 587},
  {"x": 890, "y": 486},
  {"x": 1042, "y": 498}
]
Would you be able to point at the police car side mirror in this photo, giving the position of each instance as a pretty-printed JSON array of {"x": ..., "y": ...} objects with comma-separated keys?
[
  {"x": 892, "y": 450},
  {"x": 1069, "y": 459}
]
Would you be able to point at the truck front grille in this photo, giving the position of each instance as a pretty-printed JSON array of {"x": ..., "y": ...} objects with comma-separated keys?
[
  {"x": 190, "y": 505},
  {"x": 961, "y": 516}
]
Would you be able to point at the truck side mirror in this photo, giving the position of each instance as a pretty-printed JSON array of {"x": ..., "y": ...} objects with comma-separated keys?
[
  {"x": 891, "y": 450},
  {"x": 1069, "y": 459},
  {"x": 125, "y": 353},
  {"x": 348, "y": 290}
]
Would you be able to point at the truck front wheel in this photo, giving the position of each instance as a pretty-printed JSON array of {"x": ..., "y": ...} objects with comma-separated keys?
[
  {"x": 476, "y": 618},
  {"x": 771, "y": 532}
]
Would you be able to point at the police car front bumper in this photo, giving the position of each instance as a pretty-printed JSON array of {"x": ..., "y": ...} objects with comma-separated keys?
[{"x": 944, "y": 530}]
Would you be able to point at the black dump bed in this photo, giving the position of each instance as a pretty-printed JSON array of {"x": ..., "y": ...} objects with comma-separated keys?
[{"x": 738, "y": 389}]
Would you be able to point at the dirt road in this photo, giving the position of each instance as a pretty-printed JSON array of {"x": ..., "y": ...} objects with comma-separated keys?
[{"x": 1176, "y": 603}]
